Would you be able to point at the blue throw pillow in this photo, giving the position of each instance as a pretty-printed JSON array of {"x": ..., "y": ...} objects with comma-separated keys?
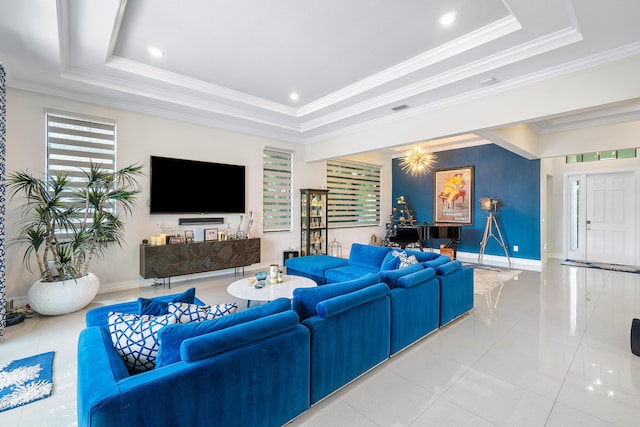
[
  {"x": 390, "y": 262},
  {"x": 135, "y": 338},
  {"x": 155, "y": 307}
]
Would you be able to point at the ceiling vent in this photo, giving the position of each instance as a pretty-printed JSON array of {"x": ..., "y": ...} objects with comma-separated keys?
[
  {"x": 400, "y": 107},
  {"x": 488, "y": 82}
]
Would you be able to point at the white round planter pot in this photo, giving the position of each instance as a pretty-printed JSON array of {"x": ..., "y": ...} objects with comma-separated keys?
[{"x": 67, "y": 296}]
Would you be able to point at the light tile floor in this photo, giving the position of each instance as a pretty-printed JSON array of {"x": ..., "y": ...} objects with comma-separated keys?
[{"x": 548, "y": 349}]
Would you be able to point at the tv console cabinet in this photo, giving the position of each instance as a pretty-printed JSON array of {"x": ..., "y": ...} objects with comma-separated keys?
[{"x": 166, "y": 261}]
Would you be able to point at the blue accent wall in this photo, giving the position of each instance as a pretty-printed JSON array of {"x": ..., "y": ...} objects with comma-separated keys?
[{"x": 500, "y": 174}]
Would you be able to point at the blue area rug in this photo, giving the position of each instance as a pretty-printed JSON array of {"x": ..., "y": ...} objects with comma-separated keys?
[
  {"x": 602, "y": 266},
  {"x": 26, "y": 380}
]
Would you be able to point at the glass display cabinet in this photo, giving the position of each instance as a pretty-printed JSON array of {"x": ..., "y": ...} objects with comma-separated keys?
[{"x": 313, "y": 229}]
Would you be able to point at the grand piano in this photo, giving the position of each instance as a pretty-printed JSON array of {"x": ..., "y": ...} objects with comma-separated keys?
[{"x": 428, "y": 235}]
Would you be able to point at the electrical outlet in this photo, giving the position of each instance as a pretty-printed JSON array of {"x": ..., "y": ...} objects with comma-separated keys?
[{"x": 515, "y": 248}]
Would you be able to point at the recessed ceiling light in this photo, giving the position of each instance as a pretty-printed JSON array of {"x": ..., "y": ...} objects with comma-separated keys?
[
  {"x": 448, "y": 18},
  {"x": 155, "y": 51},
  {"x": 294, "y": 96}
]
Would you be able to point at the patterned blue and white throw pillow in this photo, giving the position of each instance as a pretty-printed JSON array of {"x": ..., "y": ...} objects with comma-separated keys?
[
  {"x": 405, "y": 260},
  {"x": 135, "y": 337},
  {"x": 185, "y": 312}
]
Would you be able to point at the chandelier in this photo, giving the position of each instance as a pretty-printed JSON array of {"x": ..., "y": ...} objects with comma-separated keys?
[{"x": 417, "y": 161}]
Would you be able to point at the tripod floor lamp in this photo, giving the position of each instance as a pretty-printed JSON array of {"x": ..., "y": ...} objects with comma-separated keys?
[{"x": 489, "y": 205}]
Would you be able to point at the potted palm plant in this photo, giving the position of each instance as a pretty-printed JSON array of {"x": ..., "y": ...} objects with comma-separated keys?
[{"x": 68, "y": 221}]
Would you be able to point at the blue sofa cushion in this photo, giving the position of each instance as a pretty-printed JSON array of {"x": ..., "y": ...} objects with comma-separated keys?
[
  {"x": 348, "y": 273},
  {"x": 367, "y": 256},
  {"x": 172, "y": 336},
  {"x": 196, "y": 313},
  {"x": 213, "y": 343},
  {"x": 305, "y": 300},
  {"x": 158, "y": 307},
  {"x": 448, "y": 268},
  {"x": 342, "y": 303},
  {"x": 391, "y": 277},
  {"x": 316, "y": 264},
  {"x": 135, "y": 337}
]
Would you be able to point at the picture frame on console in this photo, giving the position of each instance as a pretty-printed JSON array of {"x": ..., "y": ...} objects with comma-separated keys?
[
  {"x": 453, "y": 195},
  {"x": 211, "y": 234}
]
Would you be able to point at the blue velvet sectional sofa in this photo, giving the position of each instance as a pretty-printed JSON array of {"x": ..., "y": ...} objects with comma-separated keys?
[{"x": 267, "y": 364}]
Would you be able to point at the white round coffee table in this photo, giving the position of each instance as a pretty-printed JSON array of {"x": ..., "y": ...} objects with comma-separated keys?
[{"x": 245, "y": 290}]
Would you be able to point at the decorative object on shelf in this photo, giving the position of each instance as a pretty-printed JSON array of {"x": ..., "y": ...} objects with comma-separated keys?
[
  {"x": 313, "y": 218},
  {"x": 335, "y": 248},
  {"x": 177, "y": 239},
  {"x": 417, "y": 161},
  {"x": 230, "y": 233},
  {"x": 247, "y": 230},
  {"x": 211, "y": 234},
  {"x": 453, "y": 195},
  {"x": 188, "y": 236},
  {"x": 69, "y": 222},
  {"x": 490, "y": 205}
]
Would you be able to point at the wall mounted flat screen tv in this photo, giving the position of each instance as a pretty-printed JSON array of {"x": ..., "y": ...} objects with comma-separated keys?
[{"x": 190, "y": 186}]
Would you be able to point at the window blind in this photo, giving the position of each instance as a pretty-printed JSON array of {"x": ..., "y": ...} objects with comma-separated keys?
[
  {"x": 354, "y": 194},
  {"x": 276, "y": 190},
  {"x": 73, "y": 142}
]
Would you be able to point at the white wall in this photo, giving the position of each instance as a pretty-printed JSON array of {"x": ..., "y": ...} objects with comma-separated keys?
[{"x": 138, "y": 137}]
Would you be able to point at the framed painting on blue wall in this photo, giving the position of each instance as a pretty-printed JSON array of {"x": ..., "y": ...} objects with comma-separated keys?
[{"x": 453, "y": 195}]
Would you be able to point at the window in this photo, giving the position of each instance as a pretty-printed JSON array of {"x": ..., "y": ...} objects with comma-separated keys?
[
  {"x": 354, "y": 194},
  {"x": 74, "y": 141},
  {"x": 276, "y": 190},
  {"x": 628, "y": 153}
]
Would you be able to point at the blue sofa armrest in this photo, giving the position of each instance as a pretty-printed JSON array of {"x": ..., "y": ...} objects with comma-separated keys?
[
  {"x": 172, "y": 336},
  {"x": 213, "y": 343},
  {"x": 437, "y": 262},
  {"x": 391, "y": 277},
  {"x": 448, "y": 268},
  {"x": 416, "y": 278},
  {"x": 100, "y": 367},
  {"x": 339, "y": 304},
  {"x": 305, "y": 300}
]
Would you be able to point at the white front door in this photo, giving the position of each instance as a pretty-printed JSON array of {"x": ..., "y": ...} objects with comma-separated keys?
[{"x": 610, "y": 218}]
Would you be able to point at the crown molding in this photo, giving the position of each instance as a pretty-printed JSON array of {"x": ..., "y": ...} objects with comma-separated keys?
[
  {"x": 491, "y": 32},
  {"x": 573, "y": 66},
  {"x": 526, "y": 50}
]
